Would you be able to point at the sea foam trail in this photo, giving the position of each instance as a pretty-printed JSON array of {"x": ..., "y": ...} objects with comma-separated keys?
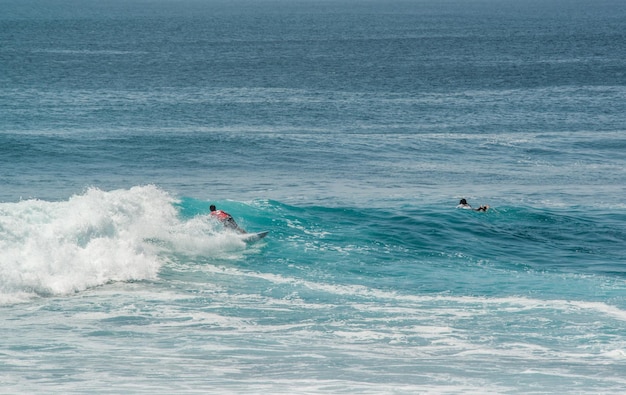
[{"x": 52, "y": 248}]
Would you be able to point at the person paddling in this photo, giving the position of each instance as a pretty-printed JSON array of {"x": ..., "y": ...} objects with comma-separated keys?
[
  {"x": 225, "y": 218},
  {"x": 464, "y": 205}
]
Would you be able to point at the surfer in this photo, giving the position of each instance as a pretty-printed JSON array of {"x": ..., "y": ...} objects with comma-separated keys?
[
  {"x": 464, "y": 205},
  {"x": 226, "y": 219}
]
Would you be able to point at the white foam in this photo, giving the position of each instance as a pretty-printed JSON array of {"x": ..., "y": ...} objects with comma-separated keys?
[
  {"x": 91, "y": 239},
  {"x": 201, "y": 236},
  {"x": 53, "y": 248}
]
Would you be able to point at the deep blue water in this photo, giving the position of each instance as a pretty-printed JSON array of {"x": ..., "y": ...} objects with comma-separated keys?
[{"x": 349, "y": 129}]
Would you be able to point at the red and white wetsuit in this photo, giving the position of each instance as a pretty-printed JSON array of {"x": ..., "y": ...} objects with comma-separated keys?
[
  {"x": 221, "y": 215},
  {"x": 227, "y": 220}
]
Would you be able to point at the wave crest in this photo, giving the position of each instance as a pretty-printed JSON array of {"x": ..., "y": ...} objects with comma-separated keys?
[{"x": 52, "y": 248}]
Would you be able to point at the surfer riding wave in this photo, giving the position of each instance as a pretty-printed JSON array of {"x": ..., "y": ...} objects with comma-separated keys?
[{"x": 226, "y": 219}]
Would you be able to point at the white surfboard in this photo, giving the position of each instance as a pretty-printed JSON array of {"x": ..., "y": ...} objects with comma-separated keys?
[{"x": 252, "y": 237}]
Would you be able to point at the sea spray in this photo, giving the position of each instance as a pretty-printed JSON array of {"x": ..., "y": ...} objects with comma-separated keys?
[{"x": 52, "y": 248}]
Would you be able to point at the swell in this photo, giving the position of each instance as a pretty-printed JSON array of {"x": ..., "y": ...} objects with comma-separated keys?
[{"x": 98, "y": 237}]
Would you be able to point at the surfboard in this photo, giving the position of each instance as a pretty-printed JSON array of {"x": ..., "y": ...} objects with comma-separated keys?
[{"x": 252, "y": 237}]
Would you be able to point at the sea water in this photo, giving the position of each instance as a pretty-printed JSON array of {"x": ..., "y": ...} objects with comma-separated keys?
[{"x": 348, "y": 129}]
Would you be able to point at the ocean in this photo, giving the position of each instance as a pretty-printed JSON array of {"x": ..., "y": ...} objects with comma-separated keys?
[{"x": 348, "y": 129}]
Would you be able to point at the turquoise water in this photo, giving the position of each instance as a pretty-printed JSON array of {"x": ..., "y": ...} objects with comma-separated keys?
[{"x": 348, "y": 129}]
